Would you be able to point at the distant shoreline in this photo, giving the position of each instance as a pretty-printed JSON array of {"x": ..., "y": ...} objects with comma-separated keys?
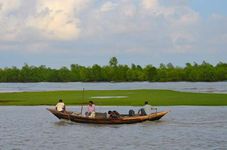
[{"x": 115, "y": 72}]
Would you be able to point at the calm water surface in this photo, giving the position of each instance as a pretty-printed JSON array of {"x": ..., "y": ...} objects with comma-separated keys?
[
  {"x": 209, "y": 87},
  {"x": 184, "y": 128}
]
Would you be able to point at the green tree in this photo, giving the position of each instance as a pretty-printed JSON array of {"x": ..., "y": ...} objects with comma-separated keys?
[
  {"x": 113, "y": 62},
  {"x": 75, "y": 72},
  {"x": 96, "y": 71},
  {"x": 221, "y": 71},
  {"x": 150, "y": 73}
]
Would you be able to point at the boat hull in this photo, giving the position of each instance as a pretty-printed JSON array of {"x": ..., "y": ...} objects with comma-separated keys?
[{"x": 122, "y": 120}]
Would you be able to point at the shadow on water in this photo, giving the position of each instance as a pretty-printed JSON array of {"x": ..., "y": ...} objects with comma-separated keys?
[
  {"x": 90, "y": 125},
  {"x": 63, "y": 123}
]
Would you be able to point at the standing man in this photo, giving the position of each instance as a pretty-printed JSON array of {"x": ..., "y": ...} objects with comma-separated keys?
[{"x": 147, "y": 109}]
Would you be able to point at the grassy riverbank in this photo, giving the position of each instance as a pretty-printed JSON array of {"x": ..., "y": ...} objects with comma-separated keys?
[{"x": 106, "y": 97}]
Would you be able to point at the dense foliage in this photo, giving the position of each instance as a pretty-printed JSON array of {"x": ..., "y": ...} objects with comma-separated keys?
[{"x": 116, "y": 72}]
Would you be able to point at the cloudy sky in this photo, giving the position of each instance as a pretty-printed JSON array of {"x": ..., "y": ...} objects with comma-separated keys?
[{"x": 58, "y": 33}]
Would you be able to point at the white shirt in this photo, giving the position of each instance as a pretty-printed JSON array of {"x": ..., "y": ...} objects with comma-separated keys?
[
  {"x": 148, "y": 108},
  {"x": 60, "y": 106}
]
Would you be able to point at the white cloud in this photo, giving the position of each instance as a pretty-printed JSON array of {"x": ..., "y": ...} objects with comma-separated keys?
[
  {"x": 6, "y": 6},
  {"x": 9, "y": 24},
  {"x": 180, "y": 23},
  {"x": 107, "y": 6},
  {"x": 144, "y": 26},
  {"x": 61, "y": 20},
  {"x": 57, "y": 19},
  {"x": 150, "y": 4}
]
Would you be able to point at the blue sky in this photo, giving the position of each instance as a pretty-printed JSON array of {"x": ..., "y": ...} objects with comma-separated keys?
[
  {"x": 208, "y": 7},
  {"x": 86, "y": 32}
]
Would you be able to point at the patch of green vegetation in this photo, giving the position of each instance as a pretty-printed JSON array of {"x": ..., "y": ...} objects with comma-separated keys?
[
  {"x": 116, "y": 72},
  {"x": 133, "y": 98}
]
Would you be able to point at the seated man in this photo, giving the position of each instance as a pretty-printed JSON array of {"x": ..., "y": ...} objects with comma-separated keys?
[
  {"x": 113, "y": 114},
  {"x": 60, "y": 106},
  {"x": 90, "y": 109},
  {"x": 108, "y": 114}
]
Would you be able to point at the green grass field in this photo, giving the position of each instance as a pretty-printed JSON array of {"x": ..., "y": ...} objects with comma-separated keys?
[{"x": 133, "y": 98}]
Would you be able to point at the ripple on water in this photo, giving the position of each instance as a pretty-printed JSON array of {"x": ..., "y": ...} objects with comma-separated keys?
[{"x": 185, "y": 127}]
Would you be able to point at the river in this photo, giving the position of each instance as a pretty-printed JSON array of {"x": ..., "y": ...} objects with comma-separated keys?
[
  {"x": 207, "y": 87},
  {"x": 184, "y": 128}
]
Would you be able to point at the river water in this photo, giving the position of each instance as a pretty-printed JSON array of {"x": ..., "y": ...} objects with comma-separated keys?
[
  {"x": 208, "y": 87},
  {"x": 184, "y": 128}
]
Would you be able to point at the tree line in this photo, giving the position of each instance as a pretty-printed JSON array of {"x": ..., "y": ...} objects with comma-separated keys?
[{"x": 116, "y": 72}]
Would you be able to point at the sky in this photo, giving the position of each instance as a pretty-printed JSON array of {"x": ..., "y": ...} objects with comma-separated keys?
[{"x": 59, "y": 33}]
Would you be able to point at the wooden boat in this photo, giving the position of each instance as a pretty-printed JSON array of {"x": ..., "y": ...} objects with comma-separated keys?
[{"x": 123, "y": 119}]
